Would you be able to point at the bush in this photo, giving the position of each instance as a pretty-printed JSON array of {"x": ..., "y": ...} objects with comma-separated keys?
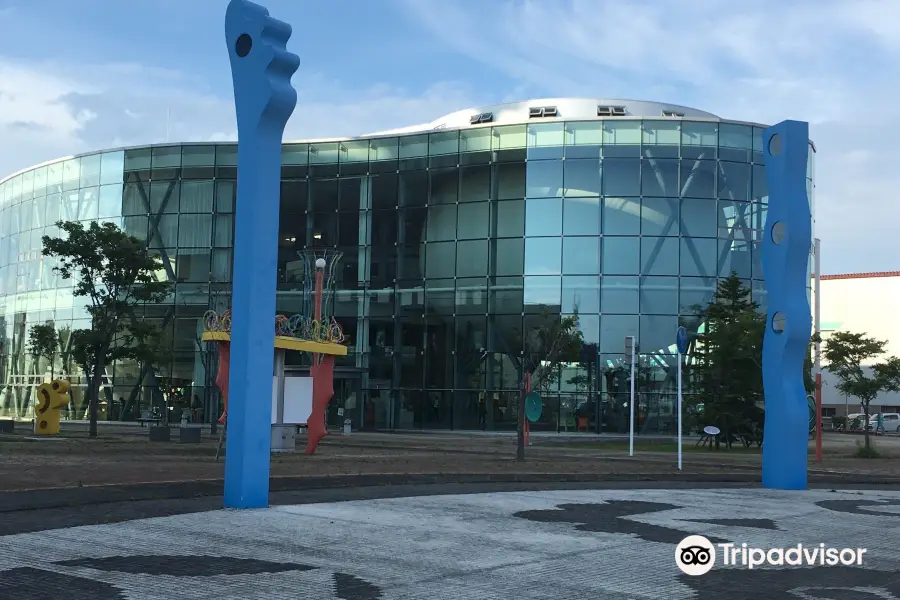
[{"x": 866, "y": 452}]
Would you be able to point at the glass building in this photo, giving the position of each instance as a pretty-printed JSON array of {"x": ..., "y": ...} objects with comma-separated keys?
[{"x": 454, "y": 237}]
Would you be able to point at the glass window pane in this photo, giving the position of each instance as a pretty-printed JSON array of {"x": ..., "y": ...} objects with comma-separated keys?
[
  {"x": 659, "y": 216},
  {"x": 509, "y": 218},
  {"x": 542, "y": 293},
  {"x": 735, "y": 136},
  {"x": 197, "y": 196},
  {"x": 198, "y": 156},
  {"x": 224, "y": 228},
  {"x": 613, "y": 331},
  {"x": 510, "y": 136},
  {"x": 40, "y": 182},
  {"x": 694, "y": 294},
  {"x": 698, "y": 257},
  {"x": 225, "y": 196},
  {"x": 698, "y": 179},
  {"x": 444, "y": 186},
  {"x": 621, "y": 177},
  {"x": 659, "y": 256},
  {"x": 413, "y": 146},
  {"x": 659, "y": 177},
  {"x": 220, "y": 269},
  {"x": 441, "y": 223},
  {"x": 508, "y": 257},
  {"x": 445, "y": 142},
  {"x": 542, "y": 256},
  {"x": 659, "y": 296},
  {"x": 324, "y": 153},
  {"x": 543, "y": 216},
  {"x": 621, "y": 216},
  {"x": 582, "y": 177},
  {"x": 588, "y": 133},
  {"x": 581, "y": 294},
  {"x": 472, "y": 258},
  {"x": 581, "y": 216},
  {"x": 384, "y": 192},
  {"x": 621, "y": 256},
  {"x": 475, "y": 140},
  {"x": 475, "y": 183},
  {"x": 298, "y": 154},
  {"x": 71, "y": 175},
  {"x": 581, "y": 255},
  {"x": 699, "y": 134},
  {"x": 413, "y": 188},
  {"x": 166, "y": 157},
  {"x": 110, "y": 201},
  {"x": 734, "y": 256},
  {"x": 545, "y": 134},
  {"x": 88, "y": 203},
  {"x": 662, "y": 133},
  {"x": 658, "y": 334},
  {"x": 760, "y": 189},
  {"x": 698, "y": 218},
  {"x": 194, "y": 231},
  {"x": 226, "y": 156},
  {"x": 509, "y": 181},
  {"x": 544, "y": 178},
  {"x": 112, "y": 166},
  {"x": 621, "y": 132},
  {"x": 734, "y": 181},
  {"x": 440, "y": 260},
  {"x": 474, "y": 220}
]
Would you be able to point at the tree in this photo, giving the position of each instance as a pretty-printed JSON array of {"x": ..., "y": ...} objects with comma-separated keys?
[
  {"x": 43, "y": 342},
  {"x": 852, "y": 357},
  {"x": 728, "y": 370},
  {"x": 114, "y": 272},
  {"x": 553, "y": 339}
]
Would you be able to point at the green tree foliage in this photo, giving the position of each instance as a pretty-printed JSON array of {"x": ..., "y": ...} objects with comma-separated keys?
[
  {"x": 854, "y": 359},
  {"x": 551, "y": 341},
  {"x": 114, "y": 273},
  {"x": 728, "y": 369},
  {"x": 43, "y": 342}
]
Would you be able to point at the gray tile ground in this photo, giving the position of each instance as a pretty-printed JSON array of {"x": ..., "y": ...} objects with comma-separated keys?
[{"x": 609, "y": 544}]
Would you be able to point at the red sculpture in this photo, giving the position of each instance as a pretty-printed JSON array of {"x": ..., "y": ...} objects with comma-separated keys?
[
  {"x": 323, "y": 389},
  {"x": 222, "y": 377}
]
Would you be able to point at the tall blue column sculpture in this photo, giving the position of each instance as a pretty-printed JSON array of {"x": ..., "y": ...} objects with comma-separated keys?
[
  {"x": 264, "y": 99},
  {"x": 787, "y": 239}
]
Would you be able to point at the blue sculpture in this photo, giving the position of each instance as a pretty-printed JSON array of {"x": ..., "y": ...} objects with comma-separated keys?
[
  {"x": 787, "y": 239},
  {"x": 264, "y": 99}
]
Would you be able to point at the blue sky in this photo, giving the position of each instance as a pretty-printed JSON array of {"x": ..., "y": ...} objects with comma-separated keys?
[{"x": 88, "y": 74}]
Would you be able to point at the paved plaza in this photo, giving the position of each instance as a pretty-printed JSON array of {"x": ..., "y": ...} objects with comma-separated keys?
[{"x": 609, "y": 544}]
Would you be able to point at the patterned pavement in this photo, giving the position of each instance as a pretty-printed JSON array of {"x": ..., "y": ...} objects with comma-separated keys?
[{"x": 566, "y": 544}]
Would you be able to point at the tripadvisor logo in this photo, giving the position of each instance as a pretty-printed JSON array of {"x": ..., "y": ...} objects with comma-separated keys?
[{"x": 696, "y": 555}]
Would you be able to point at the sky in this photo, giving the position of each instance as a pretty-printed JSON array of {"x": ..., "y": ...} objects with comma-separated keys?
[{"x": 77, "y": 76}]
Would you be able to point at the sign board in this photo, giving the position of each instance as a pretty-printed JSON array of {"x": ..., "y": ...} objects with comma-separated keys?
[
  {"x": 681, "y": 340},
  {"x": 629, "y": 348},
  {"x": 533, "y": 407},
  {"x": 297, "y": 400}
]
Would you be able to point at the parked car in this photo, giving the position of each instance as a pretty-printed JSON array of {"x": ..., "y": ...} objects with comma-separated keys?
[{"x": 890, "y": 422}]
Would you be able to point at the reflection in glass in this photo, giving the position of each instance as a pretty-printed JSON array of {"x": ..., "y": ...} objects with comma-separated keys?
[
  {"x": 621, "y": 256},
  {"x": 542, "y": 256},
  {"x": 544, "y": 179},
  {"x": 581, "y": 255},
  {"x": 581, "y": 216},
  {"x": 543, "y": 216},
  {"x": 619, "y": 295},
  {"x": 621, "y": 216},
  {"x": 542, "y": 292},
  {"x": 581, "y": 294}
]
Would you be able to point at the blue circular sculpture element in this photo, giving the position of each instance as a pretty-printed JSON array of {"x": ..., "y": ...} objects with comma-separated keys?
[{"x": 533, "y": 407}]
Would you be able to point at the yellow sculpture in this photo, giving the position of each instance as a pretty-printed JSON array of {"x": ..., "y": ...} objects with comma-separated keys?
[{"x": 52, "y": 398}]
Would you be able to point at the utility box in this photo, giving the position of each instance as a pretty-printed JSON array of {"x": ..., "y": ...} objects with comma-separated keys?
[{"x": 284, "y": 438}]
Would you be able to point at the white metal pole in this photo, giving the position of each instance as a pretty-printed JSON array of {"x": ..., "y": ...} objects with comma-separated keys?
[
  {"x": 631, "y": 406},
  {"x": 678, "y": 420}
]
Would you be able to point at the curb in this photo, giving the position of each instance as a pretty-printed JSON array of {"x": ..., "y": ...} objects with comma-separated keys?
[{"x": 59, "y": 498}]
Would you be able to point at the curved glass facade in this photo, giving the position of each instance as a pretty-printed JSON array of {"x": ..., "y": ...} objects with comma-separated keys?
[{"x": 452, "y": 242}]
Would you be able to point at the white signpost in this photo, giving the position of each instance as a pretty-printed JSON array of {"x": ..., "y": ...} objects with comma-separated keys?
[
  {"x": 629, "y": 356},
  {"x": 681, "y": 345}
]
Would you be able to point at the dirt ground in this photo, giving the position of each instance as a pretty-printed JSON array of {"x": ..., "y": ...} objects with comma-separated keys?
[{"x": 127, "y": 456}]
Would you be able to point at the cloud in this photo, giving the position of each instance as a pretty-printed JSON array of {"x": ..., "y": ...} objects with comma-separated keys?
[
  {"x": 834, "y": 63},
  {"x": 49, "y": 110}
]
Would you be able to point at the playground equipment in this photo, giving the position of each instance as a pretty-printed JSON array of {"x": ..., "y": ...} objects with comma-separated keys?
[{"x": 52, "y": 398}]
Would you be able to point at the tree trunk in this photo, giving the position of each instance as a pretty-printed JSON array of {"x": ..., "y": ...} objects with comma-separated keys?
[
  {"x": 520, "y": 426},
  {"x": 866, "y": 424},
  {"x": 94, "y": 395}
]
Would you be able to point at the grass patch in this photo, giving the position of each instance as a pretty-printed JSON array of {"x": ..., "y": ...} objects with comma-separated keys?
[{"x": 863, "y": 452}]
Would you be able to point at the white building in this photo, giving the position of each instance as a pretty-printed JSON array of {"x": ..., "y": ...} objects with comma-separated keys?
[{"x": 860, "y": 303}]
